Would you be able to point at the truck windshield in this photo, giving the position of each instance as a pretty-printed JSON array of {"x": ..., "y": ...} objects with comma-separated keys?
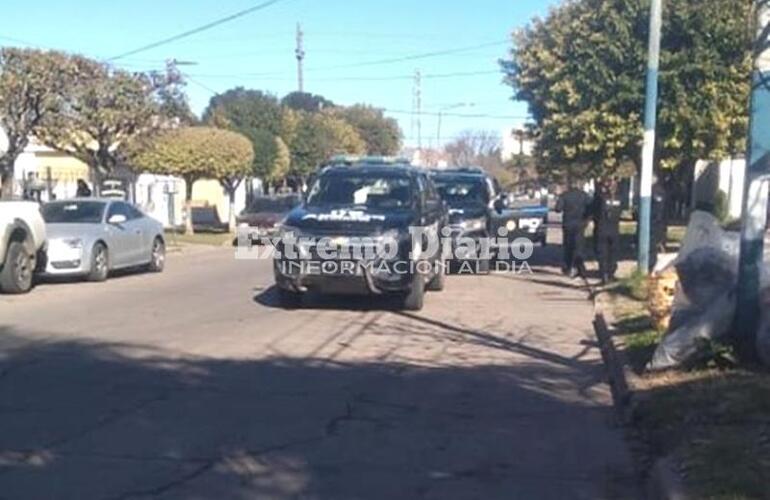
[
  {"x": 463, "y": 190},
  {"x": 369, "y": 190},
  {"x": 73, "y": 212}
]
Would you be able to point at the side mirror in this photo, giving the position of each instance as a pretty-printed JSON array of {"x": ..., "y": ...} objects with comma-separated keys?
[
  {"x": 501, "y": 203},
  {"x": 117, "y": 219}
]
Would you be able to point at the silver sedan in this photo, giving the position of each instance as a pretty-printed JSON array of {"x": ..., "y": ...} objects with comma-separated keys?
[{"x": 91, "y": 237}]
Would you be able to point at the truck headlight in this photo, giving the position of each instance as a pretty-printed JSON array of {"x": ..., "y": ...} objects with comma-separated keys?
[
  {"x": 288, "y": 233},
  {"x": 471, "y": 225}
]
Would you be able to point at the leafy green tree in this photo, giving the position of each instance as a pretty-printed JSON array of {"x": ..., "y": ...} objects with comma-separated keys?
[
  {"x": 382, "y": 135},
  {"x": 196, "y": 153},
  {"x": 32, "y": 86},
  {"x": 260, "y": 117},
  {"x": 582, "y": 68},
  {"x": 320, "y": 136},
  {"x": 107, "y": 109},
  {"x": 303, "y": 101}
]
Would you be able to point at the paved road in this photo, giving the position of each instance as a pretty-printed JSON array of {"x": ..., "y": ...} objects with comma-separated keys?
[{"x": 193, "y": 384}]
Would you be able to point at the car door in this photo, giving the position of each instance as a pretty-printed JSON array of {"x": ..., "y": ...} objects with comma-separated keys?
[
  {"x": 137, "y": 251},
  {"x": 118, "y": 235}
]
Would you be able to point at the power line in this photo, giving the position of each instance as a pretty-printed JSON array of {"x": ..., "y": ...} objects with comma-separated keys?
[
  {"x": 457, "y": 115},
  {"x": 267, "y": 77},
  {"x": 197, "y": 30},
  {"x": 414, "y": 57}
]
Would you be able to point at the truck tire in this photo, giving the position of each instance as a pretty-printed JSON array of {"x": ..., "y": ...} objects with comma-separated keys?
[
  {"x": 100, "y": 263},
  {"x": 16, "y": 275},
  {"x": 436, "y": 284},
  {"x": 415, "y": 298}
]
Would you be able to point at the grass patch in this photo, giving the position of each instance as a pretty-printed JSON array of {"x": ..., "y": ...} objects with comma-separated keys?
[
  {"x": 711, "y": 418},
  {"x": 633, "y": 286},
  {"x": 716, "y": 426},
  {"x": 211, "y": 239},
  {"x": 640, "y": 346}
]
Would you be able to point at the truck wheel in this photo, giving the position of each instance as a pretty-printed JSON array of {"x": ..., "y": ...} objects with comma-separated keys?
[
  {"x": 16, "y": 276},
  {"x": 436, "y": 284},
  {"x": 414, "y": 300},
  {"x": 99, "y": 263}
]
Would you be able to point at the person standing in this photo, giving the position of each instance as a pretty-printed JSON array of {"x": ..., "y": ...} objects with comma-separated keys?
[
  {"x": 605, "y": 210},
  {"x": 83, "y": 190},
  {"x": 573, "y": 205}
]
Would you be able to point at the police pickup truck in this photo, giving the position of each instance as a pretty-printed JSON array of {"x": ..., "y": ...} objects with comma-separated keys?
[
  {"x": 364, "y": 227},
  {"x": 479, "y": 210}
]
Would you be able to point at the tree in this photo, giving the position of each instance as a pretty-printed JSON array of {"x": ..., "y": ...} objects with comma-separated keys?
[
  {"x": 303, "y": 101},
  {"x": 32, "y": 86},
  {"x": 258, "y": 116},
  {"x": 581, "y": 70},
  {"x": 195, "y": 153},
  {"x": 105, "y": 110},
  {"x": 382, "y": 135},
  {"x": 320, "y": 136},
  {"x": 479, "y": 148}
]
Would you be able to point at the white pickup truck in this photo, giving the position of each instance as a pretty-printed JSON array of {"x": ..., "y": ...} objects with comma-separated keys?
[{"x": 22, "y": 243}]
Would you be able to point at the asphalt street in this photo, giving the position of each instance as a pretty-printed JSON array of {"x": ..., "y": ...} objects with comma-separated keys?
[{"x": 195, "y": 384}]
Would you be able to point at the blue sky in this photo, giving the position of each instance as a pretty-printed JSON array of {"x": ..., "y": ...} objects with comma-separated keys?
[{"x": 257, "y": 50}]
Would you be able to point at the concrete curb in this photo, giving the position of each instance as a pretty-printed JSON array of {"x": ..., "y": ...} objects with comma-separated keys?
[{"x": 663, "y": 481}]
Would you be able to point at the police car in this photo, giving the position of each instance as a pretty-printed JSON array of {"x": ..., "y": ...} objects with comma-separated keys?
[
  {"x": 480, "y": 211},
  {"x": 365, "y": 227}
]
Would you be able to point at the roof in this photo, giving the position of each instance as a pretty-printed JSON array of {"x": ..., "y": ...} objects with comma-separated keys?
[
  {"x": 460, "y": 171},
  {"x": 402, "y": 168}
]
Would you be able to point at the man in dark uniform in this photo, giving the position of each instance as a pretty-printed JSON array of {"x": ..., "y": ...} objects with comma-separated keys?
[
  {"x": 605, "y": 210},
  {"x": 658, "y": 222},
  {"x": 573, "y": 205}
]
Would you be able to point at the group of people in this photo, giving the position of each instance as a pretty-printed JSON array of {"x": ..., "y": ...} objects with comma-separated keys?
[{"x": 604, "y": 209}]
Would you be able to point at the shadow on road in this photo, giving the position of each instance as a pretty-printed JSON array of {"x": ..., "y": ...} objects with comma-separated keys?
[{"x": 118, "y": 421}]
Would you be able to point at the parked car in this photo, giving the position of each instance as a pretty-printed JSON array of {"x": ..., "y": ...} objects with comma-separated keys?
[
  {"x": 91, "y": 237},
  {"x": 263, "y": 216},
  {"x": 347, "y": 205},
  {"x": 22, "y": 244},
  {"x": 206, "y": 220}
]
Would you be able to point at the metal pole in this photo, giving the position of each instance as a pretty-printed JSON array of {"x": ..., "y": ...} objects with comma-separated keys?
[
  {"x": 755, "y": 190},
  {"x": 650, "y": 122},
  {"x": 300, "y": 52}
]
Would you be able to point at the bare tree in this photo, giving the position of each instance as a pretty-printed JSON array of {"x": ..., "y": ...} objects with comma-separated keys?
[{"x": 475, "y": 148}]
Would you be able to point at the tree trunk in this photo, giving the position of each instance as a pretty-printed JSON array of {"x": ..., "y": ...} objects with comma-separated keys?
[
  {"x": 188, "y": 223},
  {"x": 231, "y": 218}
]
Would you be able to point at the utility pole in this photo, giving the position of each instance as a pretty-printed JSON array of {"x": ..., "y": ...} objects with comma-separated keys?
[
  {"x": 300, "y": 52},
  {"x": 650, "y": 123},
  {"x": 418, "y": 107},
  {"x": 756, "y": 189}
]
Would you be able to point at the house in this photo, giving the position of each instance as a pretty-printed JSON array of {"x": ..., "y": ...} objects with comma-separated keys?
[{"x": 54, "y": 175}]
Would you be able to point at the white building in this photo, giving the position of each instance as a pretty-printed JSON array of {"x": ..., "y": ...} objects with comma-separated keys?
[{"x": 516, "y": 142}]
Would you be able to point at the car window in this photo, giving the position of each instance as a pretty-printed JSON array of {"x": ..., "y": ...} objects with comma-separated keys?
[
  {"x": 372, "y": 190},
  {"x": 134, "y": 213},
  {"x": 74, "y": 212},
  {"x": 118, "y": 208}
]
